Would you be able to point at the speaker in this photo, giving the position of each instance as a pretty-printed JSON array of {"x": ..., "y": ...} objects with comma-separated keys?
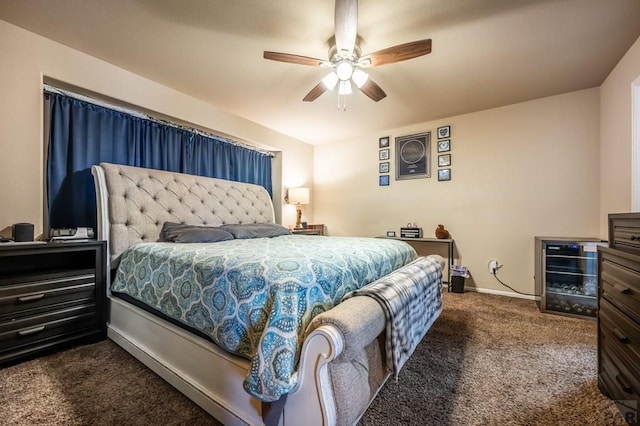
[{"x": 22, "y": 232}]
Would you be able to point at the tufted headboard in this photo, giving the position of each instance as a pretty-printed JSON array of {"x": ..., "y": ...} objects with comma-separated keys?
[{"x": 134, "y": 203}]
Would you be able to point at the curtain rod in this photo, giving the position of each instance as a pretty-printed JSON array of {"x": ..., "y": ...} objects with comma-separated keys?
[{"x": 58, "y": 91}]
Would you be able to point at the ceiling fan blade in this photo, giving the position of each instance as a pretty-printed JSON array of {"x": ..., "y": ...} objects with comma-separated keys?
[
  {"x": 315, "y": 92},
  {"x": 293, "y": 59},
  {"x": 346, "y": 22},
  {"x": 372, "y": 90},
  {"x": 398, "y": 53}
]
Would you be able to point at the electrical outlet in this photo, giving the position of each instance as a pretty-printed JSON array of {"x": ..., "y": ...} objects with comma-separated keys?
[{"x": 493, "y": 266}]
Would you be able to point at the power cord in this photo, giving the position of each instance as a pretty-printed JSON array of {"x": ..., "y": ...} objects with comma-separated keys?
[{"x": 494, "y": 273}]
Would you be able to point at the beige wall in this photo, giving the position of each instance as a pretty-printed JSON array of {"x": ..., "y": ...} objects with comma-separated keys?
[
  {"x": 535, "y": 168},
  {"x": 28, "y": 58},
  {"x": 616, "y": 137},
  {"x": 517, "y": 172}
]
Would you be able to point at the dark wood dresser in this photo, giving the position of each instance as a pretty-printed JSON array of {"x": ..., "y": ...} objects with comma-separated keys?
[
  {"x": 51, "y": 295},
  {"x": 619, "y": 314}
]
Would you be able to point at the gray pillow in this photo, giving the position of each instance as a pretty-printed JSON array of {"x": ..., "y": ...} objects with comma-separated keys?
[
  {"x": 256, "y": 230},
  {"x": 179, "y": 233}
]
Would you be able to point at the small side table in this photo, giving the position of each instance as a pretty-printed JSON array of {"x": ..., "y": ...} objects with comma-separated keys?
[
  {"x": 316, "y": 229},
  {"x": 448, "y": 241}
]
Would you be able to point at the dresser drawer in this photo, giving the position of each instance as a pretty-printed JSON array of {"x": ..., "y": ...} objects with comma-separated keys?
[
  {"x": 26, "y": 331},
  {"x": 620, "y": 284},
  {"x": 620, "y": 383},
  {"x": 619, "y": 331},
  {"x": 624, "y": 232},
  {"x": 32, "y": 294}
]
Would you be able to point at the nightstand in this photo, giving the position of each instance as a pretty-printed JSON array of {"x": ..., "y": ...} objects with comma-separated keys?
[
  {"x": 51, "y": 295},
  {"x": 416, "y": 242},
  {"x": 317, "y": 229}
]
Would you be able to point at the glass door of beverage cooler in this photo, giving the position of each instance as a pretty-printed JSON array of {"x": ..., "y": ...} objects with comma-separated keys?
[{"x": 570, "y": 277}]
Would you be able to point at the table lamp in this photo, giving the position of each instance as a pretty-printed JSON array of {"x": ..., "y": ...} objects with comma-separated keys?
[{"x": 298, "y": 196}]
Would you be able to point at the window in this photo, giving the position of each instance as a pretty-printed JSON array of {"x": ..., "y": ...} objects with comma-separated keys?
[{"x": 82, "y": 133}]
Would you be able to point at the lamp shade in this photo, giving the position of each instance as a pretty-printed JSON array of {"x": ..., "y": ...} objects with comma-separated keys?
[
  {"x": 345, "y": 88},
  {"x": 359, "y": 77},
  {"x": 298, "y": 196},
  {"x": 330, "y": 80}
]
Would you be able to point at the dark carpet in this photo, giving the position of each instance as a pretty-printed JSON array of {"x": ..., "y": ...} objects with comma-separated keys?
[{"x": 488, "y": 360}]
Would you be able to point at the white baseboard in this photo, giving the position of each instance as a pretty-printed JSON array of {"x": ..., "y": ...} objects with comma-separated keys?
[{"x": 501, "y": 293}]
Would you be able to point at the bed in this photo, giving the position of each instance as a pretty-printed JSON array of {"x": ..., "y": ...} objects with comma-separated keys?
[{"x": 305, "y": 348}]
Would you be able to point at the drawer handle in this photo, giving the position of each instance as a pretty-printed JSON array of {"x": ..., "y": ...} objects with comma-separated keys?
[
  {"x": 30, "y": 298},
  {"x": 620, "y": 336},
  {"x": 633, "y": 238},
  {"x": 624, "y": 384},
  {"x": 622, "y": 290},
  {"x": 31, "y": 331}
]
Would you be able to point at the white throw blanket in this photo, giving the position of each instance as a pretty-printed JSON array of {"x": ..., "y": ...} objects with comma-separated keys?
[{"x": 411, "y": 298}]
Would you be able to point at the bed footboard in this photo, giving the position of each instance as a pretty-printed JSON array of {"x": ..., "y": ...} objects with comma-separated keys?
[
  {"x": 335, "y": 343},
  {"x": 349, "y": 378}
]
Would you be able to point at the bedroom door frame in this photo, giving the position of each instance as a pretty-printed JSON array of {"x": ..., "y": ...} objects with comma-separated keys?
[{"x": 635, "y": 144}]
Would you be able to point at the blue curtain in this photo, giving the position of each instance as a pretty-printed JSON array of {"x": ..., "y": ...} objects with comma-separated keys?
[{"x": 82, "y": 134}]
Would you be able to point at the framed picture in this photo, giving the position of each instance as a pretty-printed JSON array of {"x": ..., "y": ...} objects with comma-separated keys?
[
  {"x": 383, "y": 167},
  {"x": 384, "y": 180},
  {"x": 444, "y": 132},
  {"x": 444, "y": 145},
  {"x": 444, "y": 160},
  {"x": 383, "y": 154},
  {"x": 444, "y": 174},
  {"x": 413, "y": 156},
  {"x": 383, "y": 142}
]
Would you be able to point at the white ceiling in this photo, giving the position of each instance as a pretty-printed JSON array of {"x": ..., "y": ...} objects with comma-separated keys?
[{"x": 486, "y": 53}]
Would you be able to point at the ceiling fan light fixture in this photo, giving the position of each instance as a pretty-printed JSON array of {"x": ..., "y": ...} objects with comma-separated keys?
[
  {"x": 346, "y": 60},
  {"x": 345, "y": 87},
  {"x": 359, "y": 77},
  {"x": 344, "y": 70},
  {"x": 330, "y": 80}
]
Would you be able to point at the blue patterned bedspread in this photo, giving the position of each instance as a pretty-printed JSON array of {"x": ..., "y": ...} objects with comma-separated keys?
[{"x": 255, "y": 297}]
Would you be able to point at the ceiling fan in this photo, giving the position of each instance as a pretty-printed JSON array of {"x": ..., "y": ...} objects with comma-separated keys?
[{"x": 346, "y": 61}]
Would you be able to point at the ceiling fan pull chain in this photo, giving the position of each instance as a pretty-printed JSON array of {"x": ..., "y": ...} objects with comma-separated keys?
[{"x": 342, "y": 102}]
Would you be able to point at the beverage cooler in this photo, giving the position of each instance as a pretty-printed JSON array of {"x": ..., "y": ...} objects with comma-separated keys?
[{"x": 566, "y": 275}]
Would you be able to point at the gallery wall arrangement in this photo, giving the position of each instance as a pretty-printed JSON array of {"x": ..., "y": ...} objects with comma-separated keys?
[
  {"x": 384, "y": 156},
  {"x": 413, "y": 156},
  {"x": 444, "y": 154}
]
